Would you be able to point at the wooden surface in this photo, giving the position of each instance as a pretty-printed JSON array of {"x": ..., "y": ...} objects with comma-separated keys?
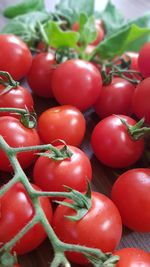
[{"x": 103, "y": 177}]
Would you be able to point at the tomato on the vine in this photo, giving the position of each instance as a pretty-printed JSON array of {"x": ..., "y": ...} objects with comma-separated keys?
[
  {"x": 100, "y": 228},
  {"x": 16, "y": 211},
  {"x": 144, "y": 60}
]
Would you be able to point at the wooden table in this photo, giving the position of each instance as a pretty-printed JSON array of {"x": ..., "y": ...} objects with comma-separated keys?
[{"x": 103, "y": 177}]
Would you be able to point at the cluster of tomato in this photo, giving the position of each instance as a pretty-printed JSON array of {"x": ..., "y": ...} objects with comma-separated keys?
[{"x": 77, "y": 86}]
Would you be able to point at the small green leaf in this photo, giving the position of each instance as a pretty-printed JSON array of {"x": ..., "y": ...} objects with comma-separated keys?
[
  {"x": 87, "y": 29},
  {"x": 58, "y": 38}
]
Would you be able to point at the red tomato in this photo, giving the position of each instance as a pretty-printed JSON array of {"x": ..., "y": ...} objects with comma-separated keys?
[
  {"x": 15, "y": 56},
  {"x": 16, "y": 98},
  {"x": 100, "y": 228},
  {"x": 17, "y": 135},
  {"x": 40, "y": 74},
  {"x": 16, "y": 211},
  {"x": 112, "y": 143},
  {"x": 141, "y": 106},
  {"x": 76, "y": 82},
  {"x": 62, "y": 122},
  {"x": 131, "y": 195},
  {"x": 144, "y": 60},
  {"x": 133, "y": 257},
  {"x": 115, "y": 98},
  {"x": 51, "y": 175}
]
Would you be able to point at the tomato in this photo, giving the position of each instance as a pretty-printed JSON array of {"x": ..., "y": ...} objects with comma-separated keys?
[
  {"x": 16, "y": 98},
  {"x": 100, "y": 228},
  {"x": 140, "y": 103},
  {"x": 62, "y": 122},
  {"x": 17, "y": 135},
  {"x": 131, "y": 195},
  {"x": 112, "y": 143},
  {"x": 115, "y": 98},
  {"x": 51, "y": 175},
  {"x": 76, "y": 82},
  {"x": 40, "y": 74},
  {"x": 144, "y": 60},
  {"x": 16, "y": 211},
  {"x": 133, "y": 257},
  {"x": 15, "y": 56}
]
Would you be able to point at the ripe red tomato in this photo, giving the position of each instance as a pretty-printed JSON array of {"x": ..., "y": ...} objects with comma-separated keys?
[
  {"x": 62, "y": 122},
  {"x": 100, "y": 228},
  {"x": 15, "y": 56},
  {"x": 40, "y": 74},
  {"x": 112, "y": 143},
  {"x": 16, "y": 98},
  {"x": 115, "y": 98},
  {"x": 17, "y": 135},
  {"x": 144, "y": 60},
  {"x": 131, "y": 195},
  {"x": 76, "y": 82},
  {"x": 51, "y": 175},
  {"x": 141, "y": 106},
  {"x": 133, "y": 257},
  {"x": 16, "y": 211}
]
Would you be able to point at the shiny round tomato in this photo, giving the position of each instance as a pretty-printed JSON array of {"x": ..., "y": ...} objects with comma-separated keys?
[
  {"x": 62, "y": 122},
  {"x": 52, "y": 175},
  {"x": 113, "y": 145},
  {"x": 100, "y": 228},
  {"x": 76, "y": 82},
  {"x": 133, "y": 257},
  {"x": 141, "y": 105},
  {"x": 40, "y": 74},
  {"x": 131, "y": 195},
  {"x": 16, "y": 98},
  {"x": 17, "y": 135},
  {"x": 15, "y": 56},
  {"x": 144, "y": 60},
  {"x": 115, "y": 98},
  {"x": 16, "y": 211}
]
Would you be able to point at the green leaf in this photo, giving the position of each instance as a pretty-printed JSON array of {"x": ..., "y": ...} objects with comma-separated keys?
[
  {"x": 58, "y": 38},
  {"x": 119, "y": 42},
  {"x": 87, "y": 29},
  {"x": 23, "y": 7}
]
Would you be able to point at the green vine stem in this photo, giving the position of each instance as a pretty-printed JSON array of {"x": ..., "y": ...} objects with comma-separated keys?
[
  {"x": 59, "y": 247},
  {"x": 7, "y": 81}
]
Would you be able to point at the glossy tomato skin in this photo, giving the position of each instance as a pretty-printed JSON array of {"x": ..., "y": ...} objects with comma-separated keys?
[
  {"x": 144, "y": 60},
  {"x": 40, "y": 74},
  {"x": 17, "y": 135},
  {"x": 62, "y": 122},
  {"x": 16, "y": 98},
  {"x": 131, "y": 195},
  {"x": 141, "y": 106},
  {"x": 100, "y": 228},
  {"x": 112, "y": 144},
  {"x": 51, "y": 175},
  {"x": 16, "y": 211},
  {"x": 76, "y": 82},
  {"x": 15, "y": 56},
  {"x": 133, "y": 257},
  {"x": 115, "y": 98}
]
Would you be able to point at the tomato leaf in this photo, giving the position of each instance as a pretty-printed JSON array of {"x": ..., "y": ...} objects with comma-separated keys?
[
  {"x": 87, "y": 29},
  {"x": 58, "y": 38},
  {"x": 23, "y": 7}
]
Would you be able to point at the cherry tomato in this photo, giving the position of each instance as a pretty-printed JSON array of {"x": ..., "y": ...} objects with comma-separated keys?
[
  {"x": 144, "y": 60},
  {"x": 112, "y": 143},
  {"x": 16, "y": 211},
  {"x": 115, "y": 98},
  {"x": 100, "y": 228},
  {"x": 15, "y": 56},
  {"x": 141, "y": 106},
  {"x": 51, "y": 175},
  {"x": 17, "y": 135},
  {"x": 62, "y": 122},
  {"x": 131, "y": 195},
  {"x": 16, "y": 98},
  {"x": 76, "y": 82},
  {"x": 40, "y": 74},
  {"x": 133, "y": 257}
]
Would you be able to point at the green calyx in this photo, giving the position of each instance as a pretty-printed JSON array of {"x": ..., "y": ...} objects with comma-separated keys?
[
  {"x": 7, "y": 259},
  {"x": 8, "y": 82},
  {"x": 58, "y": 154},
  {"x": 107, "y": 260}
]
